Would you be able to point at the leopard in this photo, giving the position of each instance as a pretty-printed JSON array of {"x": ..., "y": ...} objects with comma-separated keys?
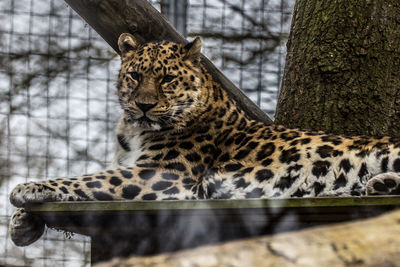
[{"x": 181, "y": 136}]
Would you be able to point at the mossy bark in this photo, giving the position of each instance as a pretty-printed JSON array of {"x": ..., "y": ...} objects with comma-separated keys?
[{"x": 342, "y": 71}]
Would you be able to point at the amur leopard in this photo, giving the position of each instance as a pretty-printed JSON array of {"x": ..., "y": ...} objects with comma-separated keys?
[{"x": 182, "y": 137}]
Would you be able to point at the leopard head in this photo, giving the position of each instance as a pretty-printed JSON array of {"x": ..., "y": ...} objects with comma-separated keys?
[{"x": 159, "y": 82}]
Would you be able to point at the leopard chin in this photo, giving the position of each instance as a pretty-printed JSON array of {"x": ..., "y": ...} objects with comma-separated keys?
[
  {"x": 151, "y": 125},
  {"x": 143, "y": 122}
]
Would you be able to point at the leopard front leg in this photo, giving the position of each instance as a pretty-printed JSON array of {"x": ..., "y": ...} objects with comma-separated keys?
[
  {"x": 84, "y": 188},
  {"x": 37, "y": 192},
  {"x": 118, "y": 184},
  {"x": 133, "y": 183}
]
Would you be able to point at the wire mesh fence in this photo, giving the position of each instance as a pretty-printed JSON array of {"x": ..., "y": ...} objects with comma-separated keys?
[
  {"x": 246, "y": 40},
  {"x": 58, "y": 108}
]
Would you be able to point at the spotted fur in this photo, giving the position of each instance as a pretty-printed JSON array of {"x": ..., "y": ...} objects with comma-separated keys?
[{"x": 182, "y": 137}]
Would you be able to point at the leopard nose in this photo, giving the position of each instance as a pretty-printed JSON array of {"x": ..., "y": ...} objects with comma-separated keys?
[{"x": 145, "y": 107}]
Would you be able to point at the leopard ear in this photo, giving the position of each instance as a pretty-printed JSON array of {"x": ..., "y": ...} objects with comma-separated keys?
[
  {"x": 126, "y": 43},
  {"x": 193, "y": 50}
]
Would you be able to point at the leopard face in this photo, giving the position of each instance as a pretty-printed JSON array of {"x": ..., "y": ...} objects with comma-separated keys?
[{"x": 159, "y": 84}]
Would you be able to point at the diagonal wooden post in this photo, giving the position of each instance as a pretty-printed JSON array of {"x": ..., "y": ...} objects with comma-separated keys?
[{"x": 110, "y": 18}]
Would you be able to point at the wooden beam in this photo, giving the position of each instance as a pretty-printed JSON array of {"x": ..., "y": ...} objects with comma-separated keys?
[
  {"x": 110, "y": 18},
  {"x": 136, "y": 227},
  {"x": 214, "y": 204}
]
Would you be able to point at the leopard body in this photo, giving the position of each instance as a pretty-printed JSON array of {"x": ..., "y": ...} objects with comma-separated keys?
[{"x": 182, "y": 137}]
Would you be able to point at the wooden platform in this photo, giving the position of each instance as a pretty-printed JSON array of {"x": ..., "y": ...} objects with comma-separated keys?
[{"x": 121, "y": 228}]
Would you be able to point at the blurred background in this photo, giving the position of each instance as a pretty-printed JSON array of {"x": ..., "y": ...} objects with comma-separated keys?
[{"x": 58, "y": 107}]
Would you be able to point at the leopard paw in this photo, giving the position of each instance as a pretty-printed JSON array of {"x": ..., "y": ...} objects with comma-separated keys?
[
  {"x": 384, "y": 184},
  {"x": 32, "y": 192},
  {"x": 25, "y": 228}
]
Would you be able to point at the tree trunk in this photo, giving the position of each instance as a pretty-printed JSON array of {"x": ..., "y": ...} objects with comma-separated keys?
[
  {"x": 342, "y": 71},
  {"x": 110, "y": 18}
]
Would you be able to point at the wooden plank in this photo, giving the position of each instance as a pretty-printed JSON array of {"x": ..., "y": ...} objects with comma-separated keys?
[
  {"x": 110, "y": 18},
  {"x": 144, "y": 227},
  {"x": 213, "y": 204},
  {"x": 94, "y": 217}
]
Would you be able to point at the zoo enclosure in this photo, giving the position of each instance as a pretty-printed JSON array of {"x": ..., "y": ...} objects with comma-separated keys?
[{"x": 58, "y": 109}]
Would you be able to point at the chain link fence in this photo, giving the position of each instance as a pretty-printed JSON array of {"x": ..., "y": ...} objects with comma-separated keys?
[{"x": 58, "y": 108}]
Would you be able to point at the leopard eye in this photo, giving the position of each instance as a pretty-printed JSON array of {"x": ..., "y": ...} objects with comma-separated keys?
[
  {"x": 134, "y": 75},
  {"x": 167, "y": 79}
]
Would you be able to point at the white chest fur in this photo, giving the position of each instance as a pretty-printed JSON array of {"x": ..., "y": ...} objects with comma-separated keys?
[{"x": 134, "y": 141}]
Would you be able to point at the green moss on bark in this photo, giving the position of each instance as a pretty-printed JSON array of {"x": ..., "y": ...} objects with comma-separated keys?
[{"x": 342, "y": 71}]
